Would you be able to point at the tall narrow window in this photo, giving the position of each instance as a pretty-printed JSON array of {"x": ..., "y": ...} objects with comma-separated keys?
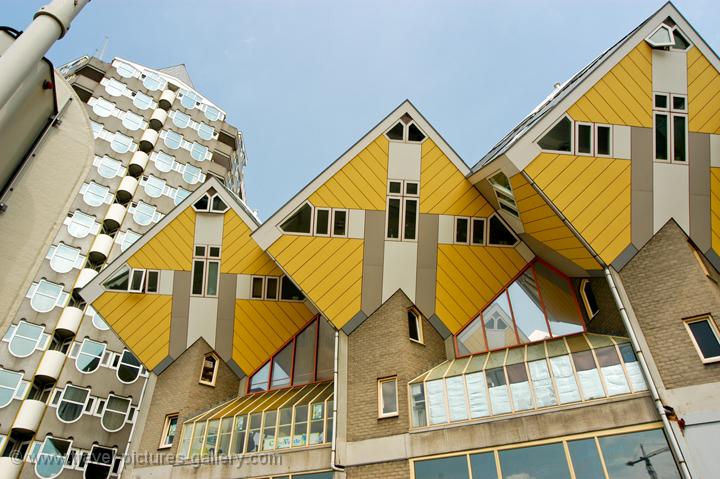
[
  {"x": 588, "y": 297},
  {"x": 704, "y": 335},
  {"x": 504, "y": 193},
  {"x": 461, "y": 230},
  {"x": 603, "y": 140},
  {"x": 322, "y": 222},
  {"x": 208, "y": 372},
  {"x": 387, "y": 397},
  {"x": 478, "y": 231},
  {"x": 402, "y": 210},
  {"x": 339, "y": 223},
  {"x": 584, "y": 139},
  {"x": 206, "y": 271},
  {"x": 414, "y": 326},
  {"x": 169, "y": 431}
]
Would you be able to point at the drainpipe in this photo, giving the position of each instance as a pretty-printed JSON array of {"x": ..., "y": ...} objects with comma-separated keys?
[
  {"x": 333, "y": 446},
  {"x": 49, "y": 24},
  {"x": 670, "y": 433}
]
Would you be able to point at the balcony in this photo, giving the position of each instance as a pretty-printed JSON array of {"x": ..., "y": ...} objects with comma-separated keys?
[
  {"x": 138, "y": 162},
  {"x": 29, "y": 416},
  {"x": 126, "y": 190},
  {"x": 148, "y": 140},
  {"x": 166, "y": 99},
  {"x": 10, "y": 467},
  {"x": 157, "y": 120},
  {"x": 101, "y": 247},
  {"x": 69, "y": 320},
  {"x": 114, "y": 217},
  {"x": 86, "y": 275},
  {"x": 50, "y": 365}
]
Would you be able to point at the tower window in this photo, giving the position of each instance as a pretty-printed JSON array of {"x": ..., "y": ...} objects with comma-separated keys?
[
  {"x": 588, "y": 297},
  {"x": 414, "y": 326},
  {"x": 704, "y": 335},
  {"x": 208, "y": 373}
]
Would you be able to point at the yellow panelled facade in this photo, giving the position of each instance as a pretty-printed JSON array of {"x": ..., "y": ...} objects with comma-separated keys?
[
  {"x": 623, "y": 96},
  {"x": 593, "y": 194},
  {"x": 240, "y": 253},
  {"x": 703, "y": 94},
  {"x": 141, "y": 320},
  {"x": 540, "y": 221},
  {"x": 262, "y": 327},
  {"x": 361, "y": 183},
  {"x": 171, "y": 248},
  {"x": 715, "y": 207},
  {"x": 328, "y": 270},
  {"x": 444, "y": 190},
  {"x": 468, "y": 277}
]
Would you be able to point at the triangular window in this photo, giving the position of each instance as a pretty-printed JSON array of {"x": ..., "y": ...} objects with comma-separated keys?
[
  {"x": 300, "y": 221},
  {"x": 414, "y": 133},
  {"x": 559, "y": 138},
  {"x": 499, "y": 234},
  {"x": 120, "y": 281},
  {"x": 681, "y": 43},
  {"x": 203, "y": 204},
  {"x": 218, "y": 205},
  {"x": 662, "y": 37},
  {"x": 396, "y": 132}
]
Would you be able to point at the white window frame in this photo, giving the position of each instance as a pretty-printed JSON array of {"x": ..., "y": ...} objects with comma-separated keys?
[
  {"x": 54, "y": 458},
  {"x": 312, "y": 220},
  {"x": 380, "y": 382},
  {"x": 136, "y": 272},
  {"x": 419, "y": 326},
  {"x": 595, "y": 142},
  {"x": 206, "y": 259},
  {"x": 215, "y": 370},
  {"x": 404, "y": 198},
  {"x": 164, "y": 444},
  {"x": 487, "y": 232},
  {"x": 467, "y": 232},
  {"x": 671, "y": 114},
  {"x": 347, "y": 221},
  {"x": 576, "y": 132},
  {"x": 60, "y": 300},
  {"x": 77, "y": 349},
  {"x": 70, "y": 221},
  {"x": 484, "y": 230},
  {"x": 41, "y": 343},
  {"x": 116, "y": 366},
  {"x": 329, "y": 222},
  {"x": 709, "y": 319},
  {"x": 20, "y": 389},
  {"x": 262, "y": 293},
  {"x": 62, "y": 398},
  {"x": 52, "y": 254},
  {"x": 586, "y": 304},
  {"x": 504, "y": 204},
  {"x": 117, "y": 165},
  {"x": 126, "y": 413},
  {"x": 547, "y": 130}
]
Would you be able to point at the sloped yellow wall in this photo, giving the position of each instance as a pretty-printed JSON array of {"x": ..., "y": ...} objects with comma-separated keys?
[
  {"x": 240, "y": 253},
  {"x": 703, "y": 94},
  {"x": 171, "y": 248}
]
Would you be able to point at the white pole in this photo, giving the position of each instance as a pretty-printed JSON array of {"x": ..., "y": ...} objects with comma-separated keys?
[{"x": 50, "y": 24}]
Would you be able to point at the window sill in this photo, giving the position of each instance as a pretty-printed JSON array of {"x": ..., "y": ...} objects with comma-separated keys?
[
  {"x": 389, "y": 416},
  {"x": 711, "y": 360},
  {"x": 202, "y": 383},
  {"x": 416, "y": 341},
  {"x": 162, "y": 448}
]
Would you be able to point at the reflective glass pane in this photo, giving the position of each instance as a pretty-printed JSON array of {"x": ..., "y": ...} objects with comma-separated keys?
[
  {"x": 456, "y": 398},
  {"x": 527, "y": 309},
  {"x": 483, "y": 465},
  {"x": 477, "y": 395},
  {"x": 281, "y": 364},
  {"x": 661, "y": 136},
  {"x": 542, "y": 383},
  {"x": 142, "y": 101},
  {"x": 625, "y": 455},
  {"x": 497, "y": 387},
  {"x": 565, "y": 379},
  {"x": 300, "y": 221},
  {"x": 472, "y": 338},
  {"x": 705, "y": 338},
  {"x": 559, "y": 300},
  {"x": 304, "y": 371},
  {"x": 585, "y": 459},
  {"x": 612, "y": 371},
  {"x": 444, "y": 468},
  {"x": 417, "y": 393},
  {"x": 259, "y": 380},
  {"x": 435, "y": 393},
  {"x": 326, "y": 351},
  {"x": 536, "y": 462},
  {"x": 498, "y": 321}
]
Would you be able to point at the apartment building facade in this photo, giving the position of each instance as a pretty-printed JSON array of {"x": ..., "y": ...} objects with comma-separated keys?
[{"x": 131, "y": 143}]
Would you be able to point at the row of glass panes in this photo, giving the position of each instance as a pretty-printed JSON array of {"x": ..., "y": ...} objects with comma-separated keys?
[
  {"x": 503, "y": 382},
  {"x": 601, "y": 456},
  {"x": 284, "y": 419}
]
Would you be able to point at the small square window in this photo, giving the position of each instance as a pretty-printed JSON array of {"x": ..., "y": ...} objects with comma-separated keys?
[
  {"x": 704, "y": 335},
  {"x": 395, "y": 187},
  {"x": 461, "y": 230},
  {"x": 214, "y": 252},
  {"x": 661, "y": 101},
  {"x": 679, "y": 103},
  {"x": 257, "y": 287},
  {"x": 387, "y": 397},
  {"x": 200, "y": 251},
  {"x": 478, "y": 231},
  {"x": 271, "y": 288},
  {"x": 411, "y": 188}
]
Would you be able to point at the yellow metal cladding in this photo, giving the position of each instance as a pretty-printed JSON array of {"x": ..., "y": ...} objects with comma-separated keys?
[
  {"x": 360, "y": 184},
  {"x": 262, "y": 327},
  {"x": 623, "y": 96},
  {"x": 328, "y": 270},
  {"x": 468, "y": 277},
  {"x": 444, "y": 190},
  {"x": 141, "y": 320},
  {"x": 171, "y": 248},
  {"x": 715, "y": 207},
  {"x": 703, "y": 94},
  {"x": 593, "y": 193},
  {"x": 240, "y": 253},
  {"x": 540, "y": 221}
]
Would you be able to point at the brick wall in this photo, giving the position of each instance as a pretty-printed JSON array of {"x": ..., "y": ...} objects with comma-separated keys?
[
  {"x": 665, "y": 283},
  {"x": 607, "y": 320},
  {"x": 380, "y": 347},
  {"x": 177, "y": 390},
  {"x": 385, "y": 470}
]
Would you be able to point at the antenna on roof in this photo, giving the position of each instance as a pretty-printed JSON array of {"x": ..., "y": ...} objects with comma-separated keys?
[{"x": 100, "y": 52}]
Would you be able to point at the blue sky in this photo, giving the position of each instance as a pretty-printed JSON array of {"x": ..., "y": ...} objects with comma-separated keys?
[{"x": 304, "y": 80}]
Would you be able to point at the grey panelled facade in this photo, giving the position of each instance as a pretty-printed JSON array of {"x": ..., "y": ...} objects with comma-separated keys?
[{"x": 75, "y": 386}]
